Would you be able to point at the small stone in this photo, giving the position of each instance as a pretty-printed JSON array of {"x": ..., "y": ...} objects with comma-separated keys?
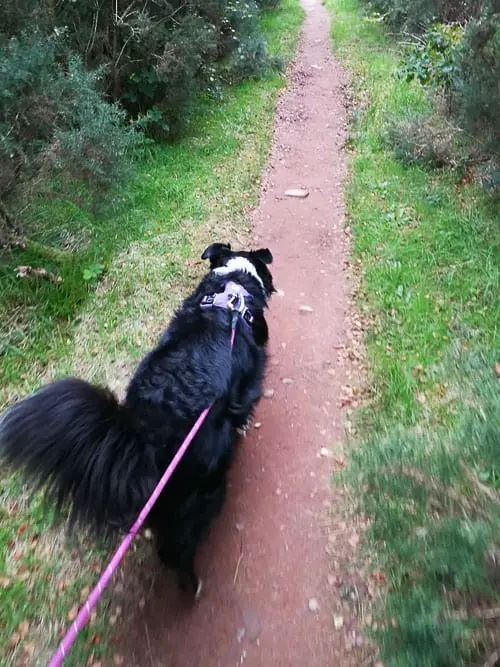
[
  {"x": 148, "y": 535},
  {"x": 142, "y": 603},
  {"x": 305, "y": 309},
  {"x": 300, "y": 193},
  {"x": 354, "y": 540},
  {"x": 325, "y": 452},
  {"x": 313, "y": 605},
  {"x": 280, "y": 293},
  {"x": 252, "y": 624},
  {"x": 257, "y": 424},
  {"x": 338, "y": 622},
  {"x": 240, "y": 635},
  {"x": 239, "y": 526},
  {"x": 287, "y": 381}
]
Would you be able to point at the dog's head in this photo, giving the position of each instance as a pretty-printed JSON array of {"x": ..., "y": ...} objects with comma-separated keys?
[{"x": 223, "y": 260}]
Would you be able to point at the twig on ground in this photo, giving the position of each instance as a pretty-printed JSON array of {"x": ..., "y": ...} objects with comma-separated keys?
[
  {"x": 240, "y": 558},
  {"x": 149, "y": 645}
]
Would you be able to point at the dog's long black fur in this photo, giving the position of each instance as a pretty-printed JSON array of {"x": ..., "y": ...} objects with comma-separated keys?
[{"x": 105, "y": 458}]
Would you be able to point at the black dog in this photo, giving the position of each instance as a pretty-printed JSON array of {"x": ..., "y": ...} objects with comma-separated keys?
[{"x": 105, "y": 458}]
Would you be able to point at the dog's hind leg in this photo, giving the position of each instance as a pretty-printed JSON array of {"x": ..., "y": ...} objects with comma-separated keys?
[{"x": 183, "y": 564}]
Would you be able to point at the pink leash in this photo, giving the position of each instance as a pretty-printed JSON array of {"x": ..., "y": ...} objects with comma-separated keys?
[{"x": 93, "y": 598}]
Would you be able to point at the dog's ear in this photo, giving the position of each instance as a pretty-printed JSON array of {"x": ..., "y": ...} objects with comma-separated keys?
[
  {"x": 264, "y": 254},
  {"x": 216, "y": 252}
]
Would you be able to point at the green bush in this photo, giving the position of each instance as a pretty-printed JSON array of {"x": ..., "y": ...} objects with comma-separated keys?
[
  {"x": 94, "y": 148},
  {"x": 476, "y": 89},
  {"x": 460, "y": 64},
  {"x": 414, "y": 16},
  {"x": 65, "y": 66},
  {"x": 55, "y": 123},
  {"x": 426, "y": 139},
  {"x": 158, "y": 55},
  {"x": 432, "y": 60}
]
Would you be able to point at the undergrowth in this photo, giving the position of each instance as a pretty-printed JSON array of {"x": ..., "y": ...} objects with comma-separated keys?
[
  {"x": 122, "y": 273},
  {"x": 426, "y": 463}
]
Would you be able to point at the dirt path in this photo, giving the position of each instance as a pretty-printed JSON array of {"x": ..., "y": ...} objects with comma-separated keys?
[{"x": 273, "y": 561}]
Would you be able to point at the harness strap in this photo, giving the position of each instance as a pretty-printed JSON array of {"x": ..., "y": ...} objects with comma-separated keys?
[{"x": 232, "y": 299}]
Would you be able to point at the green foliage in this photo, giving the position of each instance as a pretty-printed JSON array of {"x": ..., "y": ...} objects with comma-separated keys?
[
  {"x": 68, "y": 70},
  {"x": 422, "y": 138},
  {"x": 425, "y": 461},
  {"x": 458, "y": 61},
  {"x": 97, "y": 148},
  {"x": 57, "y": 134},
  {"x": 431, "y": 60},
  {"x": 476, "y": 89},
  {"x": 438, "y": 522},
  {"x": 414, "y": 16}
]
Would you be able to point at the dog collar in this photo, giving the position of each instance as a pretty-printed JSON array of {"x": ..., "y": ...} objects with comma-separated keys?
[{"x": 232, "y": 299}]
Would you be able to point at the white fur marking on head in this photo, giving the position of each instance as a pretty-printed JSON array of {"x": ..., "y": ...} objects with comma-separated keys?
[{"x": 239, "y": 264}]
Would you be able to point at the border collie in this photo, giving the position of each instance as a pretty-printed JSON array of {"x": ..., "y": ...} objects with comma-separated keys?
[{"x": 103, "y": 458}]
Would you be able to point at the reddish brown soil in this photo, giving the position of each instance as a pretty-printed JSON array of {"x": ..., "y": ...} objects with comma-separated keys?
[{"x": 273, "y": 560}]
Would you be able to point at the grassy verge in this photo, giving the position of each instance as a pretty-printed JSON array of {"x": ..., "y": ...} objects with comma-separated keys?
[
  {"x": 427, "y": 460},
  {"x": 123, "y": 274}
]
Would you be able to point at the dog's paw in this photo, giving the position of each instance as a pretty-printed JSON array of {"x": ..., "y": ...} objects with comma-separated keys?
[{"x": 243, "y": 430}]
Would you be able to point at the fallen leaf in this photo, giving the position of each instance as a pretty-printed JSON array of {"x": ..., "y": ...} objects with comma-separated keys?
[
  {"x": 497, "y": 368},
  {"x": 14, "y": 640},
  {"x": 29, "y": 649},
  {"x": 85, "y": 593},
  {"x": 420, "y": 398},
  {"x": 73, "y": 613},
  {"x": 23, "y": 628}
]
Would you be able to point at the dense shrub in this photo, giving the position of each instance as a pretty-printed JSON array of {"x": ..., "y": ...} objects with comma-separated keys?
[
  {"x": 54, "y": 123},
  {"x": 425, "y": 139},
  {"x": 476, "y": 89},
  {"x": 70, "y": 72},
  {"x": 432, "y": 60},
  {"x": 457, "y": 57},
  {"x": 414, "y": 16},
  {"x": 157, "y": 54}
]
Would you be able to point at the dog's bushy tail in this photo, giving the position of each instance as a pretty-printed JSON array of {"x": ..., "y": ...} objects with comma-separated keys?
[{"x": 80, "y": 443}]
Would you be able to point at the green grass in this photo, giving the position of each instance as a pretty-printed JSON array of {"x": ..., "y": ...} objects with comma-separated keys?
[
  {"x": 185, "y": 196},
  {"x": 427, "y": 457}
]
